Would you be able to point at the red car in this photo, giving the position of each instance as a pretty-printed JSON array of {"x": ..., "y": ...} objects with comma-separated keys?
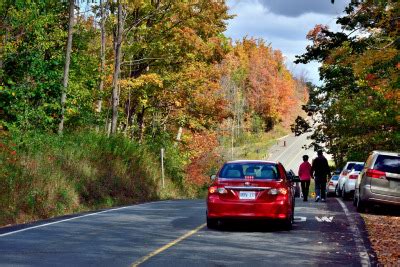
[{"x": 251, "y": 190}]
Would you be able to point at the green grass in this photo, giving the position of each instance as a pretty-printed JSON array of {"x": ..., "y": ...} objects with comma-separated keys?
[{"x": 46, "y": 175}]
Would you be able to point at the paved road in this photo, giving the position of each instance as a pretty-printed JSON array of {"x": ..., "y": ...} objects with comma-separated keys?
[
  {"x": 133, "y": 234},
  {"x": 172, "y": 233},
  {"x": 290, "y": 150}
]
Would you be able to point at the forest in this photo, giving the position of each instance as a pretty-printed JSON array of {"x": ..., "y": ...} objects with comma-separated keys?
[{"x": 91, "y": 91}]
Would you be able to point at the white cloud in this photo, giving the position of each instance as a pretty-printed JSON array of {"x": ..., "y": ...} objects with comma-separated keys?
[{"x": 256, "y": 18}]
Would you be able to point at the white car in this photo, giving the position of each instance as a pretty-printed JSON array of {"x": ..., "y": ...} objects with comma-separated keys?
[
  {"x": 331, "y": 185},
  {"x": 350, "y": 180},
  {"x": 345, "y": 171}
]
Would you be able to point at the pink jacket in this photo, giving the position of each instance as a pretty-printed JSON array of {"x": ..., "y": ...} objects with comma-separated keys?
[{"x": 305, "y": 171}]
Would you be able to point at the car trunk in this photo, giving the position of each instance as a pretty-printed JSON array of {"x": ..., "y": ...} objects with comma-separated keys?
[
  {"x": 252, "y": 191},
  {"x": 389, "y": 182}
]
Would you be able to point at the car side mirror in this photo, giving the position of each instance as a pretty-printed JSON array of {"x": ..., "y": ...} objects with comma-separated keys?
[{"x": 212, "y": 177}]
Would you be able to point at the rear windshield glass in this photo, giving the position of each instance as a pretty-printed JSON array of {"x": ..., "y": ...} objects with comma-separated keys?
[
  {"x": 350, "y": 166},
  {"x": 335, "y": 177},
  {"x": 386, "y": 163},
  {"x": 249, "y": 170},
  {"x": 358, "y": 167}
]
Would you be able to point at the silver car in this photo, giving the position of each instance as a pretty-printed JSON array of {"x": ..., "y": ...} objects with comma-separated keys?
[{"x": 379, "y": 181}]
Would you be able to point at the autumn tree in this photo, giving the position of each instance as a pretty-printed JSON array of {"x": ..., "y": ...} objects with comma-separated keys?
[{"x": 361, "y": 74}]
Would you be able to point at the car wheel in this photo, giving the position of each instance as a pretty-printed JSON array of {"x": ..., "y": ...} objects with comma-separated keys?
[
  {"x": 344, "y": 194},
  {"x": 212, "y": 223},
  {"x": 337, "y": 193},
  {"x": 354, "y": 200},
  {"x": 288, "y": 224},
  {"x": 360, "y": 205}
]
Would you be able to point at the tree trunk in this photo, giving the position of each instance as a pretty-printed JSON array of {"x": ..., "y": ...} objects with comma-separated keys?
[
  {"x": 141, "y": 124},
  {"x": 67, "y": 63},
  {"x": 102, "y": 55},
  {"x": 117, "y": 66}
]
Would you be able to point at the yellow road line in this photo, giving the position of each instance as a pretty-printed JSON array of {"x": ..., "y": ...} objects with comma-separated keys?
[{"x": 167, "y": 246}]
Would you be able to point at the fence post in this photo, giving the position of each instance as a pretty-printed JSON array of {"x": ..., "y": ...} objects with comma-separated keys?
[{"x": 162, "y": 167}]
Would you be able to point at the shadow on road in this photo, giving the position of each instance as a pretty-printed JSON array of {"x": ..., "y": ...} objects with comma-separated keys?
[{"x": 249, "y": 226}]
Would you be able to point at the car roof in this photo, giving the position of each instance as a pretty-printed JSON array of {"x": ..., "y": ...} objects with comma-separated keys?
[
  {"x": 355, "y": 162},
  {"x": 389, "y": 153},
  {"x": 252, "y": 161}
]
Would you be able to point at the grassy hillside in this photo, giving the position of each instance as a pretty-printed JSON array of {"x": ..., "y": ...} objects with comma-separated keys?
[{"x": 46, "y": 175}]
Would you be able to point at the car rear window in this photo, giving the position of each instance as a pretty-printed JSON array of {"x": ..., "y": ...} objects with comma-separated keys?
[
  {"x": 253, "y": 170},
  {"x": 350, "y": 166},
  {"x": 386, "y": 163},
  {"x": 358, "y": 167},
  {"x": 335, "y": 177}
]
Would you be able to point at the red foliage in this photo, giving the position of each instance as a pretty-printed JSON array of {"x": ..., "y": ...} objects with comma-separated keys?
[{"x": 204, "y": 157}]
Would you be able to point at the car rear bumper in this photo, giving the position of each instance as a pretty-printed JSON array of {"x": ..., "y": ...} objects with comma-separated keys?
[
  {"x": 350, "y": 185},
  {"x": 330, "y": 189},
  {"x": 368, "y": 196},
  {"x": 217, "y": 208}
]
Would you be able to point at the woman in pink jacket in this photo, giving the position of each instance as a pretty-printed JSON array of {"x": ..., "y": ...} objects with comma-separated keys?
[{"x": 305, "y": 177}]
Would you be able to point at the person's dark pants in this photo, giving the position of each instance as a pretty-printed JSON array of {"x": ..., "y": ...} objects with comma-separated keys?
[
  {"x": 320, "y": 188},
  {"x": 305, "y": 187}
]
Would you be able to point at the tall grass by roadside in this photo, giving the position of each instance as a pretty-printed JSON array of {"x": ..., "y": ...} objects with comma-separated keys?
[{"x": 45, "y": 175}]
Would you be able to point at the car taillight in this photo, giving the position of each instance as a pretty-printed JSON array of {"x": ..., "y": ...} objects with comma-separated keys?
[
  {"x": 215, "y": 189},
  {"x": 330, "y": 183},
  {"x": 353, "y": 176},
  {"x": 212, "y": 189},
  {"x": 376, "y": 174},
  {"x": 275, "y": 191}
]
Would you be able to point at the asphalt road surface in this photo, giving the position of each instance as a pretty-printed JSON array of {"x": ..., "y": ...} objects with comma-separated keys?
[{"x": 173, "y": 233}]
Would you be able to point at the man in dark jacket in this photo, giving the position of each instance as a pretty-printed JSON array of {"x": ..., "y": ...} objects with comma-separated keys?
[{"x": 321, "y": 171}]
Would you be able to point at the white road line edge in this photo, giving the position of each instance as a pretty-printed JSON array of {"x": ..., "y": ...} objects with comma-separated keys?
[
  {"x": 362, "y": 250},
  {"x": 74, "y": 218}
]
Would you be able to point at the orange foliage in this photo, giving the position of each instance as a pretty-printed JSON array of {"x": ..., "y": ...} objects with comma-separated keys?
[
  {"x": 203, "y": 157},
  {"x": 270, "y": 89}
]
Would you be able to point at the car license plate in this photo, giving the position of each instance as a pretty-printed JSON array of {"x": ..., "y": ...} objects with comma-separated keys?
[{"x": 247, "y": 195}]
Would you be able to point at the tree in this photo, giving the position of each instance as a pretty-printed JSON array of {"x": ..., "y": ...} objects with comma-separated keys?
[
  {"x": 67, "y": 63},
  {"x": 361, "y": 80}
]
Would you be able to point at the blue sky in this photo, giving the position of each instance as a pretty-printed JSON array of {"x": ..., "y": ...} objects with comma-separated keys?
[{"x": 284, "y": 24}]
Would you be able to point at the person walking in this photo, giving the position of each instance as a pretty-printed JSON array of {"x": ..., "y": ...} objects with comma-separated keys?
[
  {"x": 305, "y": 177},
  {"x": 321, "y": 171}
]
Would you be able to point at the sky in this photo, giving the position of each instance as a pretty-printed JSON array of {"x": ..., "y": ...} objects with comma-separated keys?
[{"x": 284, "y": 24}]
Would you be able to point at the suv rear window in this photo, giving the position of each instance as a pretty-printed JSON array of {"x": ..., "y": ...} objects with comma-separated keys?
[
  {"x": 254, "y": 170},
  {"x": 386, "y": 163}
]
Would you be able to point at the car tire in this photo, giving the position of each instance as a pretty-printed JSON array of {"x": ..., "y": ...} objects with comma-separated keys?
[
  {"x": 212, "y": 223},
  {"x": 354, "y": 200},
  {"x": 337, "y": 193},
  {"x": 288, "y": 224},
  {"x": 360, "y": 205},
  {"x": 344, "y": 196}
]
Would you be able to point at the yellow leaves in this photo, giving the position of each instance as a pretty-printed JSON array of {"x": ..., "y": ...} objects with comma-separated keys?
[{"x": 150, "y": 79}]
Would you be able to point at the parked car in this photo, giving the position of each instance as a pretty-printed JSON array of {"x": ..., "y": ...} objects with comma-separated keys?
[
  {"x": 331, "y": 185},
  {"x": 346, "y": 169},
  {"x": 251, "y": 190},
  {"x": 379, "y": 181},
  {"x": 349, "y": 181}
]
